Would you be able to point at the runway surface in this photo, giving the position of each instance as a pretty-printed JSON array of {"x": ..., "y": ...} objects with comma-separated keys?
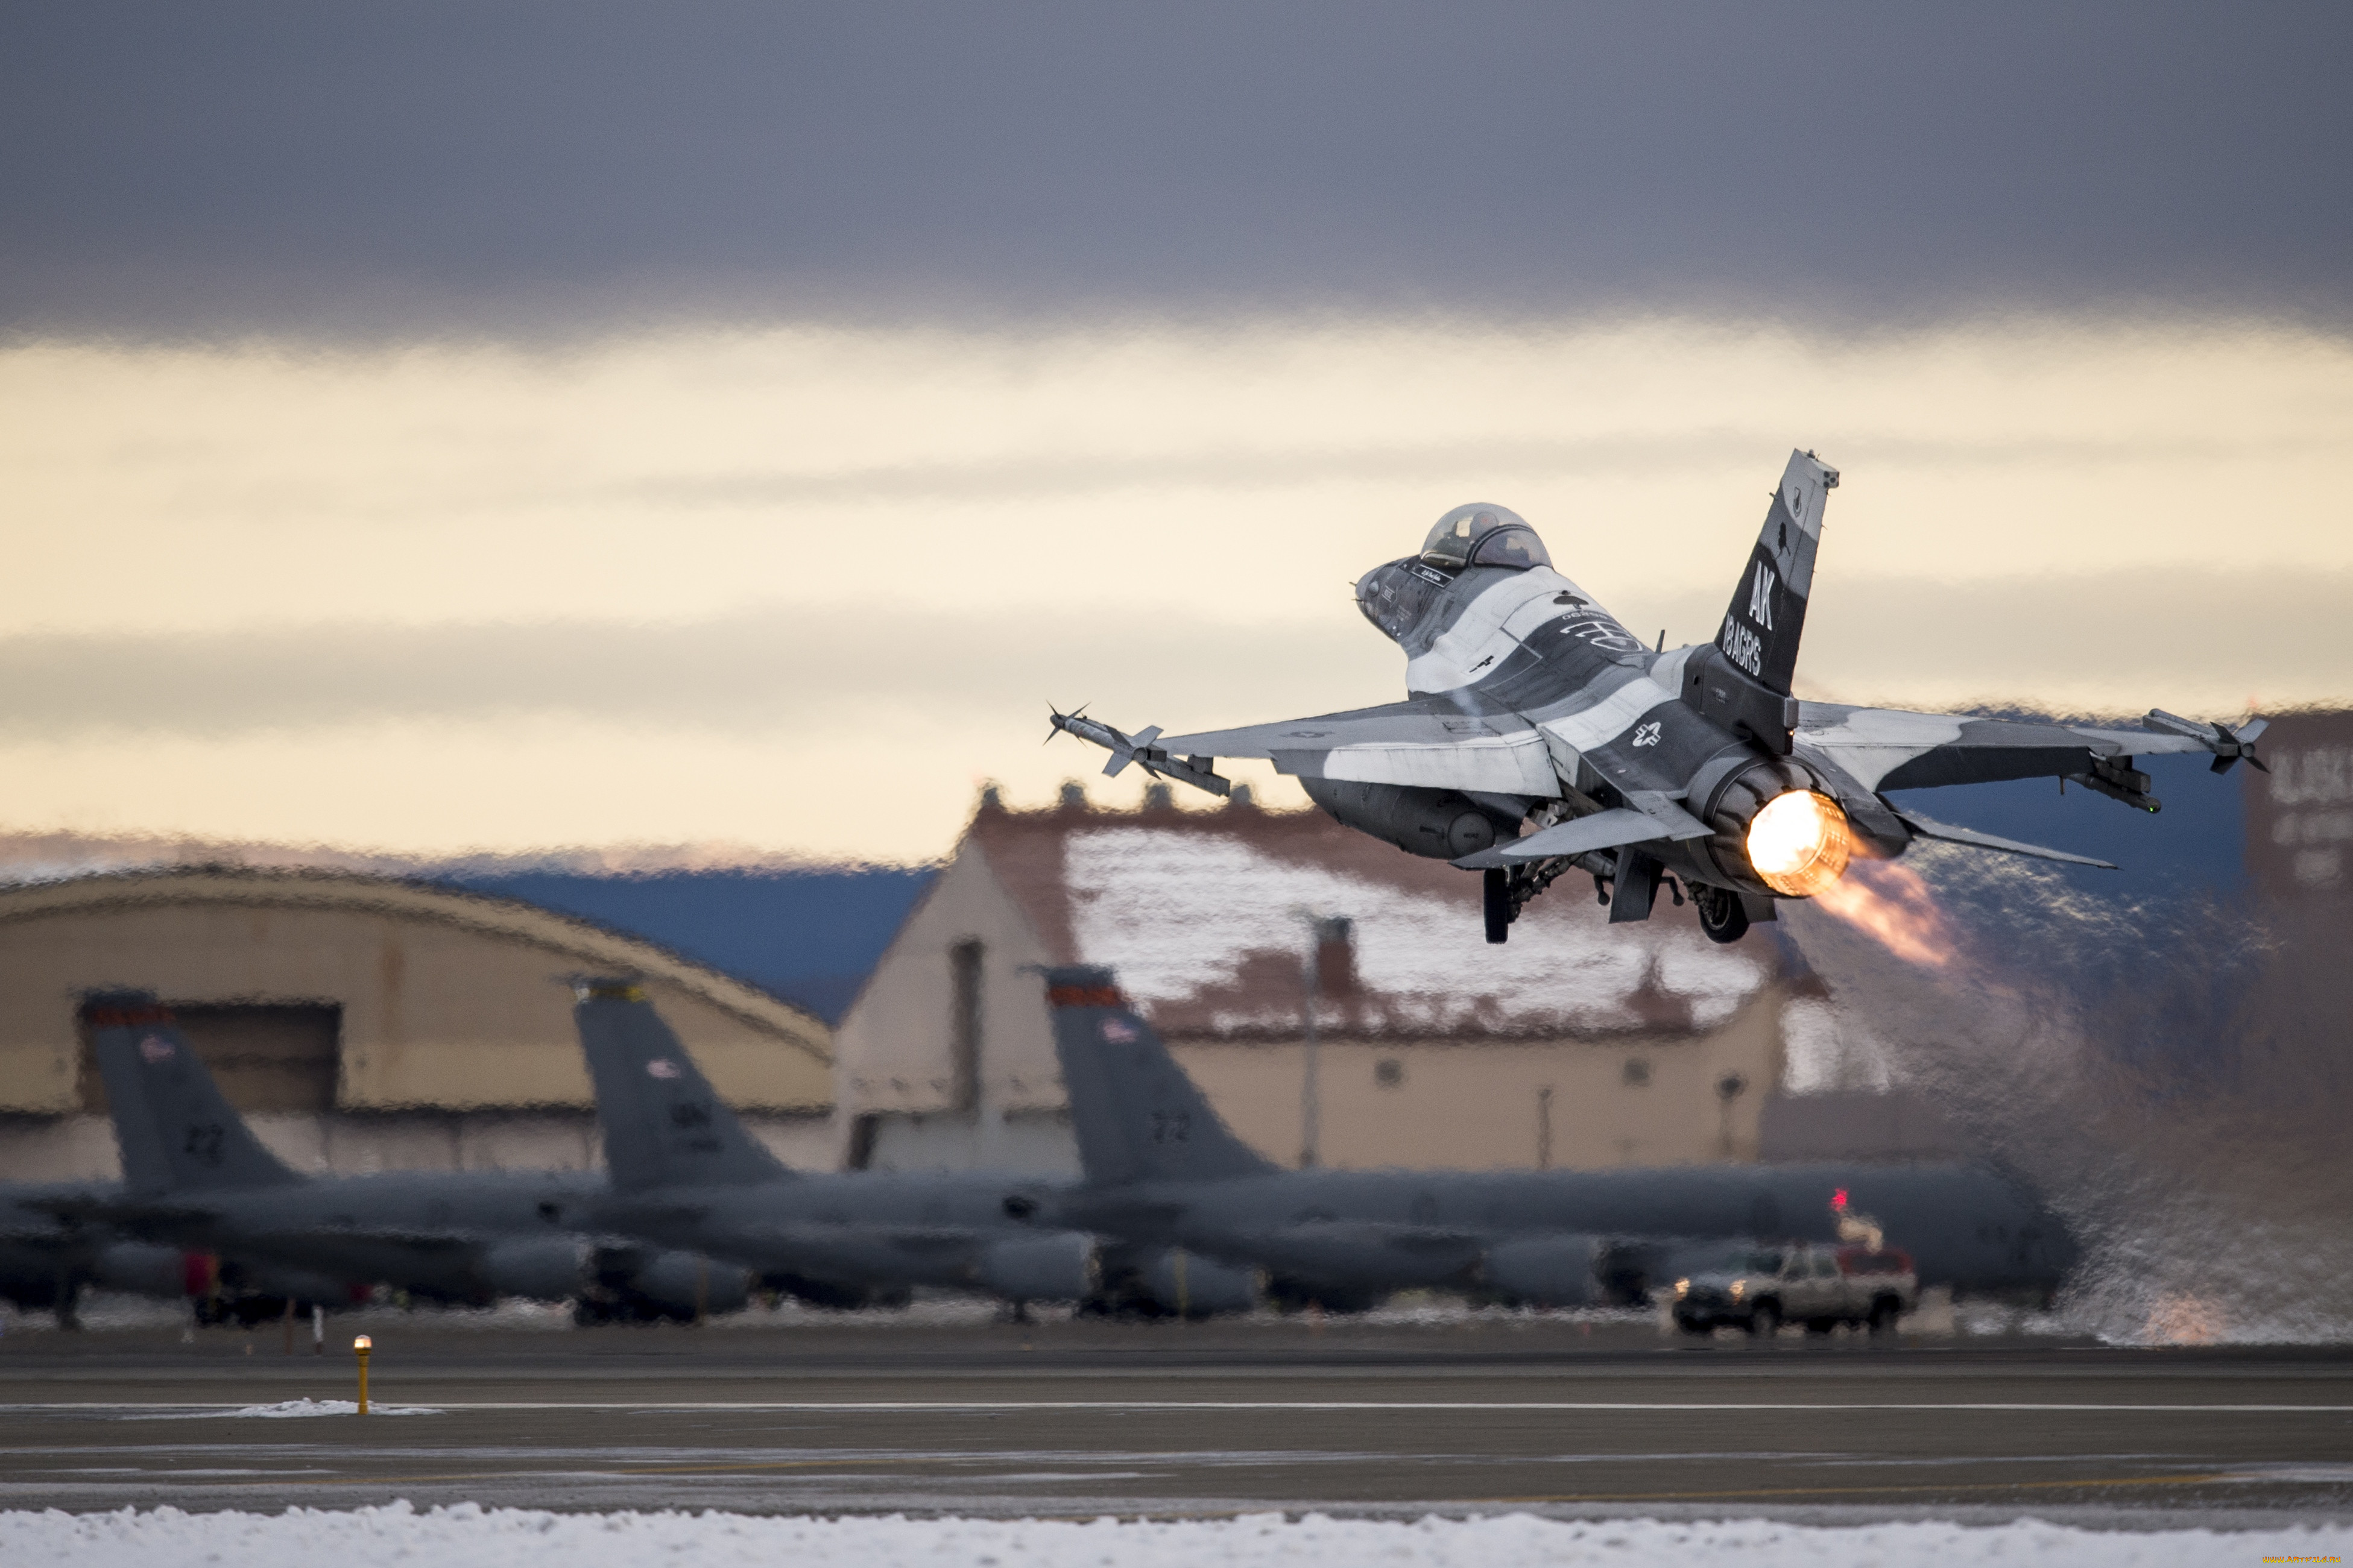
[{"x": 1087, "y": 1419}]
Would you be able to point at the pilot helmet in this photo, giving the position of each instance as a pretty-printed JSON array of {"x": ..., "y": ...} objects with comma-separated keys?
[{"x": 1483, "y": 534}]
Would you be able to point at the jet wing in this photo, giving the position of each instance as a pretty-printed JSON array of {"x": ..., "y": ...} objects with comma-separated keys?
[
  {"x": 1889, "y": 749},
  {"x": 1427, "y": 742},
  {"x": 1601, "y": 830},
  {"x": 1928, "y": 827}
]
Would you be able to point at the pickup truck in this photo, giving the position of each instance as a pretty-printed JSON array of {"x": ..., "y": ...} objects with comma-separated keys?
[{"x": 1761, "y": 1288}]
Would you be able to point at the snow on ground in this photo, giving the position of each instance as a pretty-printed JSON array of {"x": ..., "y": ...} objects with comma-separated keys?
[
  {"x": 464, "y": 1535},
  {"x": 293, "y": 1409}
]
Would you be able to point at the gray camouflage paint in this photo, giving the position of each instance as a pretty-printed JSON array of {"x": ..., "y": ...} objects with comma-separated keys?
[{"x": 1528, "y": 698}]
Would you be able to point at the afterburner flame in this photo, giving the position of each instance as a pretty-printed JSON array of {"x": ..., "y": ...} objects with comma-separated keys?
[
  {"x": 1890, "y": 902},
  {"x": 1798, "y": 844}
]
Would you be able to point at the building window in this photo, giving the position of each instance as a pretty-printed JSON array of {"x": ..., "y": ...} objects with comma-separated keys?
[
  {"x": 1637, "y": 1072},
  {"x": 964, "y": 1025},
  {"x": 1389, "y": 1072},
  {"x": 862, "y": 1133}
]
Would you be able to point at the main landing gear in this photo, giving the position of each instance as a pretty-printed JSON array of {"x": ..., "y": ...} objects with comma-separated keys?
[
  {"x": 1507, "y": 890},
  {"x": 1722, "y": 915}
]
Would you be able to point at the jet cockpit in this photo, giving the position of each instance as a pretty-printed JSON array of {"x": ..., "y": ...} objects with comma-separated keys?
[
  {"x": 1483, "y": 534},
  {"x": 1398, "y": 598}
]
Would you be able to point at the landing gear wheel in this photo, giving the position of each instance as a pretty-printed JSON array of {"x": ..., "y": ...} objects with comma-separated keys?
[
  {"x": 1764, "y": 1321},
  {"x": 1498, "y": 901},
  {"x": 1722, "y": 915}
]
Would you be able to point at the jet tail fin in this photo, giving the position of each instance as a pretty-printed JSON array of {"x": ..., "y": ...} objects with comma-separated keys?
[
  {"x": 177, "y": 1132},
  {"x": 1768, "y": 613},
  {"x": 1137, "y": 1116},
  {"x": 664, "y": 1125}
]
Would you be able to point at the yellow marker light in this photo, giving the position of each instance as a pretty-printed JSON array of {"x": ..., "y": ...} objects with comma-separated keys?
[
  {"x": 1683, "y": 1289},
  {"x": 361, "y": 1345},
  {"x": 1798, "y": 844}
]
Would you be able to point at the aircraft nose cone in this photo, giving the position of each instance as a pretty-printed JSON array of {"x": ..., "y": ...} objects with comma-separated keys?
[{"x": 1394, "y": 597}]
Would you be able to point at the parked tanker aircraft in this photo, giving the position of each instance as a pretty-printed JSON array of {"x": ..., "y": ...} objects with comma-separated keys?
[
  {"x": 49, "y": 1255},
  {"x": 1528, "y": 705},
  {"x": 686, "y": 1174},
  {"x": 196, "y": 1178},
  {"x": 1163, "y": 1171}
]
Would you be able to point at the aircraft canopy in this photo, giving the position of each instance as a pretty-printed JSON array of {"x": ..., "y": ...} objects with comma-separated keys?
[{"x": 1481, "y": 534}]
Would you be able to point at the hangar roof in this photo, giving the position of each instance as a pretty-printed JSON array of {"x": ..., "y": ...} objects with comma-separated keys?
[
  {"x": 1205, "y": 915},
  {"x": 598, "y": 948}
]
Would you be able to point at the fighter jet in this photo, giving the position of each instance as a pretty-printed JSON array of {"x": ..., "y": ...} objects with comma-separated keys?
[
  {"x": 195, "y": 1177},
  {"x": 1529, "y": 705},
  {"x": 1163, "y": 1171},
  {"x": 685, "y": 1174}
]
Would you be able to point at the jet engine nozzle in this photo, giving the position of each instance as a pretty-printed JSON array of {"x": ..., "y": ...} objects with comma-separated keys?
[
  {"x": 1779, "y": 829},
  {"x": 1799, "y": 843}
]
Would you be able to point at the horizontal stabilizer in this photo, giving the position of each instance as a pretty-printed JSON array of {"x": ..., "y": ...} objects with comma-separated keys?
[
  {"x": 1602, "y": 830},
  {"x": 1927, "y": 827}
]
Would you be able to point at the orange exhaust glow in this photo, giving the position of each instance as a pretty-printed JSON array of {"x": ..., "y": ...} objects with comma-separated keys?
[
  {"x": 2179, "y": 1319},
  {"x": 1798, "y": 844},
  {"x": 1892, "y": 903}
]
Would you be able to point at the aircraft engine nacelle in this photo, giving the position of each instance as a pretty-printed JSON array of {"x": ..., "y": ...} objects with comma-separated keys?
[
  {"x": 543, "y": 1268},
  {"x": 692, "y": 1285},
  {"x": 148, "y": 1270},
  {"x": 1779, "y": 829},
  {"x": 1057, "y": 1268},
  {"x": 1546, "y": 1270},
  {"x": 1192, "y": 1285},
  {"x": 1438, "y": 823}
]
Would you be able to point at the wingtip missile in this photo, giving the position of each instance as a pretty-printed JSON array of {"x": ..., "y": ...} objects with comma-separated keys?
[
  {"x": 1139, "y": 748},
  {"x": 2227, "y": 745}
]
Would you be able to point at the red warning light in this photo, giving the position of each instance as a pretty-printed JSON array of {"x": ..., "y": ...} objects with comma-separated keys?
[{"x": 1838, "y": 1199}]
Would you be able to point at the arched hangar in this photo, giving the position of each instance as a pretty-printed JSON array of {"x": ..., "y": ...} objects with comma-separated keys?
[{"x": 366, "y": 1023}]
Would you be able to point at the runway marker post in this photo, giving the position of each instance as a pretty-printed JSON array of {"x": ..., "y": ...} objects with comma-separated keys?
[{"x": 361, "y": 1345}]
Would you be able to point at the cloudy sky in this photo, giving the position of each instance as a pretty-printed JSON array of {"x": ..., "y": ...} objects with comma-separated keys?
[{"x": 496, "y": 427}]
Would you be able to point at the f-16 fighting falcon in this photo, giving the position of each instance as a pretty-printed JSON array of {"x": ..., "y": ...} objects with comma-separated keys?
[{"x": 1528, "y": 705}]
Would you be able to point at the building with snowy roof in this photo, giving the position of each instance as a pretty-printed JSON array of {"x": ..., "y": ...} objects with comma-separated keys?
[{"x": 1576, "y": 1043}]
